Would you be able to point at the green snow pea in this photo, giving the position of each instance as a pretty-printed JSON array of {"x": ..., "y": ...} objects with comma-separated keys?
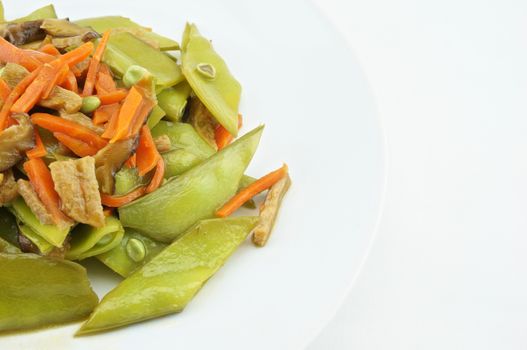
[
  {"x": 126, "y": 180},
  {"x": 178, "y": 161},
  {"x": 194, "y": 195},
  {"x": 126, "y": 257},
  {"x": 210, "y": 79},
  {"x": 8, "y": 228},
  {"x": 102, "y": 24},
  {"x": 173, "y": 100},
  {"x": 170, "y": 280},
  {"x": 183, "y": 136},
  {"x": 125, "y": 50},
  {"x": 43, "y": 246},
  {"x": 40, "y": 291},
  {"x": 155, "y": 116},
  {"x": 6, "y": 247},
  {"x": 41, "y": 13},
  {"x": 50, "y": 233},
  {"x": 89, "y": 241}
]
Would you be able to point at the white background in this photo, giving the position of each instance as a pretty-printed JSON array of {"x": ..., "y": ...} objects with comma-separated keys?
[{"x": 448, "y": 269}]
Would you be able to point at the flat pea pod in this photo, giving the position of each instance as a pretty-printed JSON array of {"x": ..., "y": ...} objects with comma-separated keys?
[
  {"x": 183, "y": 136},
  {"x": 125, "y": 50},
  {"x": 155, "y": 116},
  {"x": 170, "y": 280},
  {"x": 41, "y": 13},
  {"x": 194, "y": 195},
  {"x": 40, "y": 291},
  {"x": 50, "y": 233},
  {"x": 8, "y": 227},
  {"x": 120, "y": 259},
  {"x": 44, "y": 247},
  {"x": 173, "y": 101},
  {"x": 210, "y": 79},
  {"x": 102, "y": 24},
  {"x": 178, "y": 161},
  {"x": 89, "y": 241},
  {"x": 8, "y": 248}
]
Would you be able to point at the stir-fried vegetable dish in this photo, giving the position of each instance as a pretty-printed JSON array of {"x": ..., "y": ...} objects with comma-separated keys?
[{"x": 122, "y": 145}]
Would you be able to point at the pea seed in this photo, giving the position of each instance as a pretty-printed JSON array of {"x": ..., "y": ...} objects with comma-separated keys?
[
  {"x": 207, "y": 70},
  {"x": 90, "y": 104},
  {"x": 135, "y": 249},
  {"x": 134, "y": 74}
]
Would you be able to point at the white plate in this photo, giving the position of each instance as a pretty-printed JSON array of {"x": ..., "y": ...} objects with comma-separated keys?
[{"x": 305, "y": 85}]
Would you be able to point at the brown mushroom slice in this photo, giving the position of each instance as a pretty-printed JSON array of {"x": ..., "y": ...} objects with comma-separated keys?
[
  {"x": 62, "y": 100},
  {"x": 22, "y": 33},
  {"x": 8, "y": 187},
  {"x": 14, "y": 141},
  {"x": 82, "y": 119},
  {"x": 269, "y": 211},
  {"x": 109, "y": 160},
  {"x": 77, "y": 186},
  {"x": 34, "y": 203},
  {"x": 163, "y": 143},
  {"x": 202, "y": 121},
  {"x": 63, "y": 28},
  {"x": 62, "y": 43},
  {"x": 13, "y": 74}
]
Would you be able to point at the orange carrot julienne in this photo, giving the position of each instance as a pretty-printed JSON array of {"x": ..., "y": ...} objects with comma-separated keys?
[
  {"x": 132, "y": 103},
  {"x": 118, "y": 201},
  {"x": 131, "y": 162},
  {"x": 104, "y": 113},
  {"x": 89, "y": 84},
  {"x": 111, "y": 127},
  {"x": 50, "y": 49},
  {"x": 14, "y": 95},
  {"x": 40, "y": 177},
  {"x": 78, "y": 55},
  {"x": 223, "y": 137},
  {"x": 111, "y": 97},
  {"x": 105, "y": 83},
  {"x": 70, "y": 82},
  {"x": 250, "y": 191},
  {"x": 108, "y": 211},
  {"x": 9, "y": 53},
  {"x": 141, "y": 116},
  {"x": 5, "y": 90},
  {"x": 147, "y": 155},
  {"x": 72, "y": 129},
  {"x": 39, "y": 150},
  {"x": 157, "y": 179},
  {"x": 80, "y": 148},
  {"x": 11, "y": 121},
  {"x": 59, "y": 74}
]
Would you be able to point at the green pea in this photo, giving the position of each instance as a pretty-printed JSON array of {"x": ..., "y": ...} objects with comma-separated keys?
[
  {"x": 134, "y": 74},
  {"x": 90, "y": 104},
  {"x": 135, "y": 249}
]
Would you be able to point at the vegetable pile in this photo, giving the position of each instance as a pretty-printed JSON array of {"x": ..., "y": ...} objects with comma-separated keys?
[{"x": 118, "y": 144}]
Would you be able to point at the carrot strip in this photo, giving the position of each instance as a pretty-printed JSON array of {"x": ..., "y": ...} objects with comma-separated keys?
[
  {"x": 111, "y": 127},
  {"x": 118, "y": 201},
  {"x": 14, "y": 95},
  {"x": 104, "y": 113},
  {"x": 132, "y": 103},
  {"x": 9, "y": 53},
  {"x": 11, "y": 121},
  {"x": 140, "y": 117},
  {"x": 60, "y": 73},
  {"x": 80, "y": 148},
  {"x": 72, "y": 129},
  {"x": 70, "y": 82},
  {"x": 40, "y": 177},
  {"x": 5, "y": 90},
  {"x": 131, "y": 162},
  {"x": 50, "y": 49},
  {"x": 115, "y": 96},
  {"x": 39, "y": 150},
  {"x": 250, "y": 191},
  {"x": 223, "y": 137},
  {"x": 147, "y": 154},
  {"x": 157, "y": 179},
  {"x": 105, "y": 83},
  {"x": 89, "y": 84},
  {"x": 108, "y": 211},
  {"x": 78, "y": 55}
]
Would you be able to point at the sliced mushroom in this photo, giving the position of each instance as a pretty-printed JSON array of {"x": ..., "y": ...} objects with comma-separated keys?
[
  {"x": 62, "y": 43},
  {"x": 203, "y": 121},
  {"x": 34, "y": 203},
  {"x": 82, "y": 119},
  {"x": 14, "y": 141},
  {"x": 22, "y": 33},
  {"x": 109, "y": 160},
  {"x": 77, "y": 186},
  {"x": 269, "y": 211},
  {"x": 13, "y": 74},
  {"x": 62, "y": 100},
  {"x": 63, "y": 28},
  {"x": 8, "y": 187}
]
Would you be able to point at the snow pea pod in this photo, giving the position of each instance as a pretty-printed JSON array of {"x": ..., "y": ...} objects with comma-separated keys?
[
  {"x": 39, "y": 291},
  {"x": 89, "y": 241},
  {"x": 126, "y": 180},
  {"x": 170, "y": 280},
  {"x": 125, "y": 50},
  {"x": 44, "y": 247},
  {"x": 194, "y": 195},
  {"x": 210, "y": 79},
  {"x": 102, "y": 24},
  {"x": 41, "y": 13},
  {"x": 8, "y": 248},
  {"x": 173, "y": 101},
  {"x": 178, "y": 161},
  {"x": 183, "y": 136},
  {"x": 134, "y": 251},
  {"x": 50, "y": 233},
  {"x": 155, "y": 116}
]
